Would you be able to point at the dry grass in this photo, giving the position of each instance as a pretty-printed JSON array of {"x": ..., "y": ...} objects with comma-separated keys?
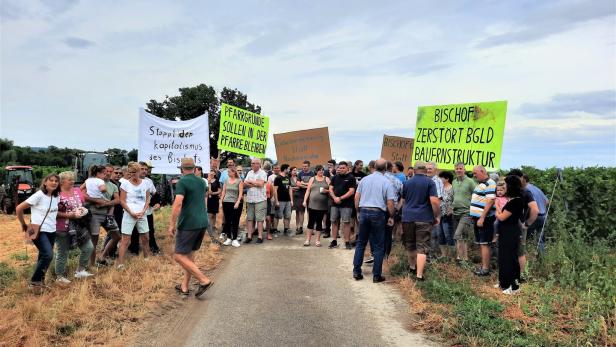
[{"x": 104, "y": 310}]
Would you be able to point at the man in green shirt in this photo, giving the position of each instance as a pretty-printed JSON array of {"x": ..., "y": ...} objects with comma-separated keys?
[
  {"x": 189, "y": 206},
  {"x": 463, "y": 187}
]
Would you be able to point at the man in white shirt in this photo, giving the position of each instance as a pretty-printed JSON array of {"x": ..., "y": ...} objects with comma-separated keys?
[{"x": 256, "y": 199}]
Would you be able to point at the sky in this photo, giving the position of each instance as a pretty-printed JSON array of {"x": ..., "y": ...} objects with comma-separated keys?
[{"x": 75, "y": 73}]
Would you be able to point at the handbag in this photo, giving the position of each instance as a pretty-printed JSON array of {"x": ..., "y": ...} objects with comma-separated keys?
[{"x": 33, "y": 230}]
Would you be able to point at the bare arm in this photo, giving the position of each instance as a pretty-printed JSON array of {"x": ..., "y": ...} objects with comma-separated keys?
[
  {"x": 19, "y": 210},
  {"x": 123, "y": 203},
  {"x": 308, "y": 187},
  {"x": 532, "y": 213},
  {"x": 390, "y": 207},
  {"x": 175, "y": 212},
  {"x": 436, "y": 209},
  {"x": 348, "y": 194},
  {"x": 357, "y": 198},
  {"x": 502, "y": 215},
  {"x": 224, "y": 192}
]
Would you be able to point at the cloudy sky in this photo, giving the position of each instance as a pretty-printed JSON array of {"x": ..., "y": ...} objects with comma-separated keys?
[{"x": 74, "y": 73}]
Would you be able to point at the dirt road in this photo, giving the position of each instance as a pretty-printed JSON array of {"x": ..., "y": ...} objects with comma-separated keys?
[{"x": 280, "y": 293}]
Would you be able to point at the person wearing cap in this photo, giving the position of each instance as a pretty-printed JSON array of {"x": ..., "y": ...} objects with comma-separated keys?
[
  {"x": 374, "y": 201},
  {"x": 188, "y": 224},
  {"x": 421, "y": 211}
]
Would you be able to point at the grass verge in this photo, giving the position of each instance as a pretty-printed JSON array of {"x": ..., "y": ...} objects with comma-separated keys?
[
  {"x": 103, "y": 310},
  {"x": 468, "y": 311}
]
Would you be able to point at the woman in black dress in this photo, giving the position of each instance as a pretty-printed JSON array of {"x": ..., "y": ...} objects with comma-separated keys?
[
  {"x": 509, "y": 236},
  {"x": 213, "y": 203}
]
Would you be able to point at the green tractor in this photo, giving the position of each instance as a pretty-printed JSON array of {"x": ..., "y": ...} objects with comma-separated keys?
[{"x": 18, "y": 186}]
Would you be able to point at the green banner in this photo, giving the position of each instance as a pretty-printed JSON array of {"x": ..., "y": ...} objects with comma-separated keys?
[
  {"x": 242, "y": 131},
  {"x": 469, "y": 133}
]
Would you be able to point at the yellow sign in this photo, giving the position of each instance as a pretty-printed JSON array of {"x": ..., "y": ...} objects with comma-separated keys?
[{"x": 242, "y": 131}]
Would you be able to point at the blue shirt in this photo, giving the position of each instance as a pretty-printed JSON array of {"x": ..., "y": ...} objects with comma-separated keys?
[
  {"x": 401, "y": 176},
  {"x": 416, "y": 193},
  {"x": 375, "y": 190},
  {"x": 224, "y": 176},
  {"x": 539, "y": 197},
  {"x": 396, "y": 184}
]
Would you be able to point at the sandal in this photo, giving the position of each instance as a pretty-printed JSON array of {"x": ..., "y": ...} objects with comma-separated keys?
[
  {"x": 306, "y": 243},
  {"x": 269, "y": 236},
  {"x": 178, "y": 288},
  {"x": 318, "y": 243}
]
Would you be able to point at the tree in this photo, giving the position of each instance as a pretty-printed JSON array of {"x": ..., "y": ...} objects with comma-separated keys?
[{"x": 195, "y": 101}]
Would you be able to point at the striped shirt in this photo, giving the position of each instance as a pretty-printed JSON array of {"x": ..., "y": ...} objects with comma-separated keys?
[{"x": 483, "y": 192}]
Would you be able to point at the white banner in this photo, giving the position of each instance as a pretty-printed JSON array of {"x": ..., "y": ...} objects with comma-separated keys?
[{"x": 164, "y": 143}]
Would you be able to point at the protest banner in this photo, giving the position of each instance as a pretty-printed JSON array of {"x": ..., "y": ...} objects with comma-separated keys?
[
  {"x": 242, "y": 131},
  {"x": 396, "y": 148},
  {"x": 165, "y": 142},
  {"x": 470, "y": 133},
  {"x": 295, "y": 147}
]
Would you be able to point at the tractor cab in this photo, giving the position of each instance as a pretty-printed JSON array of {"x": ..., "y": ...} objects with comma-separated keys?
[
  {"x": 84, "y": 161},
  {"x": 18, "y": 186}
]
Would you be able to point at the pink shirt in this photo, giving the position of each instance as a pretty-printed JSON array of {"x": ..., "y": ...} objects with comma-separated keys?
[{"x": 68, "y": 203}]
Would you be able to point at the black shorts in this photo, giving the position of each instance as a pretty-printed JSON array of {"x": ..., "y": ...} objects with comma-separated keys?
[
  {"x": 187, "y": 241},
  {"x": 484, "y": 234}
]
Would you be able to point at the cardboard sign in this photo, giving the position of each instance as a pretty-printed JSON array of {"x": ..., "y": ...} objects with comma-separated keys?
[
  {"x": 295, "y": 147},
  {"x": 397, "y": 148},
  {"x": 242, "y": 131},
  {"x": 165, "y": 142},
  {"x": 470, "y": 133}
]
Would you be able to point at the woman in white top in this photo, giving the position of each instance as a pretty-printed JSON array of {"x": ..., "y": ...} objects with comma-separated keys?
[
  {"x": 44, "y": 208},
  {"x": 135, "y": 199}
]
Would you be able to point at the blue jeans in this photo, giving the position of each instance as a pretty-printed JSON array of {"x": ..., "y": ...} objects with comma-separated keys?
[
  {"x": 371, "y": 227},
  {"x": 536, "y": 228},
  {"x": 446, "y": 231},
  {"x": 44, "y": 243}
]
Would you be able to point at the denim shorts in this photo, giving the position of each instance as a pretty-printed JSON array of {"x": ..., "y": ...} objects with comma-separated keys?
[
  {"x": 484, "y": 234},
  {"x": 284, "y": 210}
]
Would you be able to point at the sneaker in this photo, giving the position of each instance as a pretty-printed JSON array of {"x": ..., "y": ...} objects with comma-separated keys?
[
  {"x": 482, "y": 272},
  {"x": 36, "y": 288},
  {"x": 299, "y": 231},
  {"x": 286, "y": 232},
  {"x": 347, "y": 245},
  {"x": 333, "y": 244},
  {"x": 83, "y": 274},
  {"x": 248, "y": 240},
  {"x": 227, "y": 242},
  {"x": 120, "y": 267},
  {"x": 325, "y": 235},
  {"x": 369, "y": 260},
  {"x": 235, "y": 243},
  {"x": 510, "y": 291},
  {"x": 222, "y": 236},
  {"x": 102, "y": 262},
  {"x": 259, "y": 240},
  {"x": 62, "y": 280}
]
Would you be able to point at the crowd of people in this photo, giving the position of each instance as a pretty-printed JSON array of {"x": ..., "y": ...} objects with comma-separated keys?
[{"x": 434, "y": 214}]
